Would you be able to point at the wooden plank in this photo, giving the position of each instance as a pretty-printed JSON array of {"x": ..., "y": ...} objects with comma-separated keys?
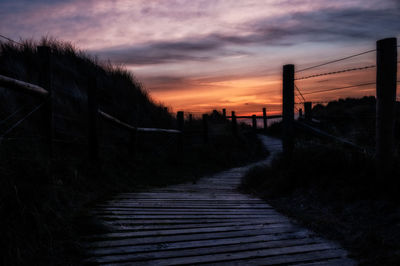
[
  {"x": 181, "y": 211},
  {"x": 183, "y": 216},
  {"x": 166, "y": 232},
  {"x": 191, "y": 221},
  {"x": 197, "y": 243},
  {"x": 271, "y": 253},
  {"x": 123, "y": 228},
  {"x": 190, "y": 237},
  {"x": 183, "y": 205},
  {"x": 319, "y": 255},
  {"x": 330, "y": 262},
  {"x": 235, "y": 248}
]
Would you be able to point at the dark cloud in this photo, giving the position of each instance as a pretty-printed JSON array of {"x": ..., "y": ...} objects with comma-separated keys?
[
  {"x": 168, "y": 52},
  {"x": 326, "y": 25}
]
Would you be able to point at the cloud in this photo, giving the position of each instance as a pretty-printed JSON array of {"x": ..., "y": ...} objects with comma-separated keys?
[
  {"x": 202, "y": 49},
  {"x": 322, "y": 25}
]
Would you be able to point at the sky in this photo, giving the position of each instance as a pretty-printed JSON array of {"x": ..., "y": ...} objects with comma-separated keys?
[{"x": 199, "y": 55}]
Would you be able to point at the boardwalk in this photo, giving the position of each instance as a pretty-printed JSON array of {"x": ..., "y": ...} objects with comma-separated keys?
[{"x": 209, "y": 222}]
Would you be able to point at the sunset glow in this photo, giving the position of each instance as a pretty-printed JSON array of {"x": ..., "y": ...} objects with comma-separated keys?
[{"x": 199, "y": 55}]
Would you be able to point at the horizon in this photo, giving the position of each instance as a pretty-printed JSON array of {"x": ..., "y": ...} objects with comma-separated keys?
[{"x": 208, "y": 55}]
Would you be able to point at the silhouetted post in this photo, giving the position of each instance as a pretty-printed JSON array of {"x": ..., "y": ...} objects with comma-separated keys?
[
  {"x": 45, "y": 76},
  {"x": 93, "y": 143},
  {"x": 234, "y": 124},
  {"x": 300, "y": 113},
  {"x": 307, "y": 111},
  {"x": 224, "y": 113},
  {"x": 254, "y": 122},
  {"x": 205, "y": 128},
  {"x": 180, "y": 121},
  {"x": 190, "y": 120},
  {"x": 288, "y": 110},
  {"x": 386, "y": 71},
  {"x": 265, "y": 119}
]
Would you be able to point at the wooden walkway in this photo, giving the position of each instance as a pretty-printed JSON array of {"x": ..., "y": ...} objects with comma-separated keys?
[{"x": 209, "y": 222}]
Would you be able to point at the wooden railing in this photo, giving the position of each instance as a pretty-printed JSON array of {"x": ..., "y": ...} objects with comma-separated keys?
[{"x": 44, "y": 91}]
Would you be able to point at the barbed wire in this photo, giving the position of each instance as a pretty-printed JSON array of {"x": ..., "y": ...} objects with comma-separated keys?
[
  {"x": 334, "y": 61},
  {"x": 297, "y": 88},
  {"x": 297, "y": 96},
  {"x": 21, "y": 120},
  {"x": 336, "y": 72},
  {"x": 11, "y": 40},
  {"x": 340, "y": 88}
]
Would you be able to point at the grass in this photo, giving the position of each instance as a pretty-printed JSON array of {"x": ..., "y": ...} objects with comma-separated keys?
[
  {"x": 42, "y": 218},
  {"x": 335, "y": 191}
]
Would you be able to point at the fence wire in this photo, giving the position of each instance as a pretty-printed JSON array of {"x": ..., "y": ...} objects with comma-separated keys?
[{"x": 21, "y": 120}]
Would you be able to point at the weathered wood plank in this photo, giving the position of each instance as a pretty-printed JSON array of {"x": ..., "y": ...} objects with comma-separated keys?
[
  {"x": 167, "y": 232},
  {"x": 278, "y": 255},
  {"x": 207, "y": 222},
  {"x": 215, "y": 235},
  {"x": 292, "y": 259},
  {"x": 145, "y": 256},
  {"x": 197, "y": 243},
  {"x": 124, "y": 227}
]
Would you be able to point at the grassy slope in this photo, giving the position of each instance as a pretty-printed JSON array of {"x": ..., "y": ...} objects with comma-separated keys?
[
  {"x": 41, "y": 220},
  {"x": 334, "y": 191}
]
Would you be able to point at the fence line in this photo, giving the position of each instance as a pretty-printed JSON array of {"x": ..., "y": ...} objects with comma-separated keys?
[
  {"x": 386, "y": 80},
  {"x": 335, "y": 61}
]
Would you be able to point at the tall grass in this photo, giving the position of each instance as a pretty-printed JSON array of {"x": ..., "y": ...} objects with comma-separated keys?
[{"x": 41, "y": 221}]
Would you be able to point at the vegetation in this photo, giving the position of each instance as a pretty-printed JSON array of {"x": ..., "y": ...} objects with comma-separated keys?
[
  {"x": 334, "y": 190},
  {"x": 42, "y": 218}
]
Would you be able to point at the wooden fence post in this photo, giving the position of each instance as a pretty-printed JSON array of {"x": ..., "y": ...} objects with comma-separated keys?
[
  {"x": 265, "y": 119},
  {"x": 288, "y": 110},
  {"x": 205, "y": 128},
  {"x": 386, "y": 62},
  {"x": 224, "y": 113},
  {"x": 234, "y": 124},
  {"x": 254, "y": 122},
  {"x": 181, "y": 122},
  {"x": 93, "y": 143},
  {"x": 190, "y": 120},
  {"x": 307, "y": 111},
  {"x": 45, "y": 76}
]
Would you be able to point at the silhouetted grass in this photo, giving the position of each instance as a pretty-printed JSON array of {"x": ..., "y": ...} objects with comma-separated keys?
[
  {"x": 42, "y": 218},
  {"x": 335, "y": 190}
]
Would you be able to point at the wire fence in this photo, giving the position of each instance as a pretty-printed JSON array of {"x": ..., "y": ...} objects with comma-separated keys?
[{"x": 354, "y": 126}]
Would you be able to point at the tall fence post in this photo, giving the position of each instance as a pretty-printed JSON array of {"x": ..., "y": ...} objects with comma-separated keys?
[
  {"x": 45, "y": 76},
  {"x": 234, "y": 124},
  {"x": 224, "y": 113},
  {"x": 386, "y": 62},
  {"x": 190, "y": 120},
  {"x": 307, "y": 111},
  {"x": 180, "y": 121},
  {"x": 205, "y": 128},
  {"x": 254, "y": 122},
  {"x": 93, "y": 143},
  {"x": 288, "y": 109},
  {"x": 265, "y": 121}
]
